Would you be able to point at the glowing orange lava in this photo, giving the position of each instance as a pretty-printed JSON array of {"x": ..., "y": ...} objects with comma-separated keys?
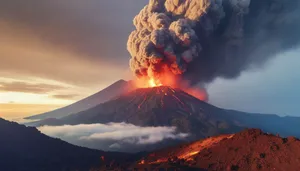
[
  {"x": 154, "y": 83},
  {"x": 142, "y": 162},
  {"x": 164, "y": 79}
]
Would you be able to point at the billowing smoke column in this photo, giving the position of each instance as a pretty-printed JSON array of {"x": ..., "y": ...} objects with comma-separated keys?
[{"x": 199, "y": 40}]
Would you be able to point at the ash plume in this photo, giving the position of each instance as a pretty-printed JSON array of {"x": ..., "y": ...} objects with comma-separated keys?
[{"x": 200, "y": 40}]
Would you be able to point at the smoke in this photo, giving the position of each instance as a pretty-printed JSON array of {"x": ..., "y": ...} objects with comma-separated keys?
[
  {"x": 200, "y": 40},
  {"x": 113, "y": 136}
]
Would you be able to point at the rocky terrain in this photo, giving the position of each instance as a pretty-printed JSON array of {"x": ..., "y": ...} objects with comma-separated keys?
[{"x": 249, "y": 150}]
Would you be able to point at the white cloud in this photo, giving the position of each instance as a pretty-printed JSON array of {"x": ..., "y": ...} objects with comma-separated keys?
[
  {"x": 117, "y": 134},
  {"x": 115, "y": 145}
]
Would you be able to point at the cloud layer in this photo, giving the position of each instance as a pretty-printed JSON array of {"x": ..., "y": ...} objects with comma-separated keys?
[
  {"x": 24, "y": 87},
  {"x": 112, "y": 136},
  {"x": 65, "y": 96}
]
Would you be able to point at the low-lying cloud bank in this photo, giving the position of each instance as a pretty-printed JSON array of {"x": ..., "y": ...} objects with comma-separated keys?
[{"x": 112, "y": 136}]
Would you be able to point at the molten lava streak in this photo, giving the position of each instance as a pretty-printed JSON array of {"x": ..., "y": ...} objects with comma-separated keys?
[{"x": 187, "y": 153}]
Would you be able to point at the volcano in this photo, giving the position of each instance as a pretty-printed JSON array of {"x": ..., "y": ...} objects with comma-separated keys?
[
  {"x": 158, "y": 106},
  {"x": 172, "y": 107}
]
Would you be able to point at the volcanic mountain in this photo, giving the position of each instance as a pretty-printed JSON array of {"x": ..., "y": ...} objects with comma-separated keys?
[
  {"x": 104, "y": 95},
  {"x": 158, "y": 106},
  {"x": 249, "y": 150},
  {"x": 166, "y": 106}
]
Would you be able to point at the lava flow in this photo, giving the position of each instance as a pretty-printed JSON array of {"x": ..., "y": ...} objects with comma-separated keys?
[
  {"x": 163, "y": 95},
  {"x": 186, "y": 152},
  {"x": 166, "y": 91}
]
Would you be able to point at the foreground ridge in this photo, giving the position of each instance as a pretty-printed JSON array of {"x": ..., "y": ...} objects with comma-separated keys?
[{"x": 251, "y": 149}]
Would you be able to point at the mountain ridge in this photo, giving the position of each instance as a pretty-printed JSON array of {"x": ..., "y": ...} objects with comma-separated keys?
[
  {"x": 250, "y": 149},
  {"x": 25, "y": 149},
  {"x": 104, "y": 95}
]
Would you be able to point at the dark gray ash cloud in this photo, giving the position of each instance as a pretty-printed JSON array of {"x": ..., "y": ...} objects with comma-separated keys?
[{"x": 200, "y": 40}]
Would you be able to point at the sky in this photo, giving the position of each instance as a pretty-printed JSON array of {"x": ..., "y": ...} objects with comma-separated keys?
[
  {"x": 272, "y": 89},
  {"x": 54, "y": 53}
]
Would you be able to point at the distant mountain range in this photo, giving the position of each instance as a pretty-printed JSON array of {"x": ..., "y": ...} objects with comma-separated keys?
[{"x": 104, "y": 95}]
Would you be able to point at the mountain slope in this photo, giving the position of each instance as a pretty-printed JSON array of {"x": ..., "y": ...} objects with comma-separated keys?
[
  {"x": 26, "y": 149},
  {"x": 249, "y": 150},
  {"x": 104, "y": 95},
  {"x": 159, "y": 106},
  {"x": 165, "y": 106}
]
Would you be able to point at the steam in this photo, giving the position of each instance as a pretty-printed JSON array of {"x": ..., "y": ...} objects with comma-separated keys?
[{"x": 200, "y": 40}]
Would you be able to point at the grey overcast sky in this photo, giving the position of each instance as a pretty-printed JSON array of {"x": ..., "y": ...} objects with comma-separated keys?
[
  {"x": 273, "y": 89},
  {"x": 73, "y": 48}
]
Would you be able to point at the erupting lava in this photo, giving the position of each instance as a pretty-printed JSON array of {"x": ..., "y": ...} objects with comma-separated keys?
[
  {"x": 164, "y": 79},
  {"x": 154, "y": 83},
  {"x": 168, "y": 80}
]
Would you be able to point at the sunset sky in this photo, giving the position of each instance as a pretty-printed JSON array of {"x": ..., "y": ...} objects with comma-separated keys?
[{"x": 53, "y": 53}]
